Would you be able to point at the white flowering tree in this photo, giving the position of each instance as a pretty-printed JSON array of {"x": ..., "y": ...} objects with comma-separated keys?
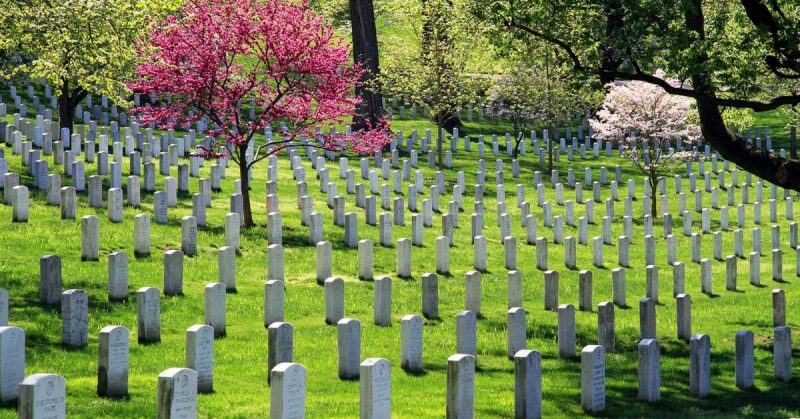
[{"x": 646, "y": 121}]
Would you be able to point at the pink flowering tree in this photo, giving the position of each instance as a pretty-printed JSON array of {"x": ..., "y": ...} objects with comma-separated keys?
[
  {"x": 645, "y": 121},
  {"x": 214, "y": 59}
]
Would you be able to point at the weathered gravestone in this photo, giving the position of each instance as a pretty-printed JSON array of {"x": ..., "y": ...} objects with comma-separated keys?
[
  {"x": 375, "y": 388},
  {"x": 593, "y": 378},
  {"x": 349, "y": 348},
  {"x": 460, "y": 386},
  {"x": 411, "y": 343},
  {"x": 516, "y": 331},
  {"x": 382, "y": 301},
  {"x": 782, "y": 354},
  {"x": 74, "y": 318},
  {"x": 466, "y": 333},
  {"x": 334, "y": 300},
  {"x": 90, "y": 238},
  {"x": 148, "y": 314},
  {"x": 288, "y": 391},
  {"x": 112, "y": 364},
  {"x": 43, "y": 396},
  {"x": 200, "y": 355},
  {"x": 744, "y": 359},
  {"x": 117, "y": 276},
  {"x": 215, "y": 308},
  {"x": 649, "y": 370},
  {"x": 173, "y": 272},
  {"x": 226, "y": 267},
  {"x": 12, "y": 362},
  {"x": 50, "y": 280},
  {"x": 527, "y": 384},
  {"x": 141, "y": 235},
  {"x": 273, "y": 302},
  {"x": 699, "y": 365},
  {"x": 19, "y": 203},
  {"x": 430, "y": 296},
  {"x": 177, "y": 394},
  {"x": 280, "y": 345}
]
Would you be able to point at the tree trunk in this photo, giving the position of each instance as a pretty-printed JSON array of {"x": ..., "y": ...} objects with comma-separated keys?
[
  {"x": 66, "y": 112},
  {"x": 365, "y": 52},
  {"x": 653, "y": 193},
  {"x": 247, "y": 219},
  {"x": 793, "y": 141},
  {"x": 67, "y": 102}
]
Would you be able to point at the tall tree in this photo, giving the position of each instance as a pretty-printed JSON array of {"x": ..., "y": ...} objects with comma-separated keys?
[
  {"x": 431, "y": 77},
  {"x": 365, "y": 53},
  {"x": 215, "y": 55},
  {"x": 736, "y": 54},
  {"x": 538, "y": 93}
]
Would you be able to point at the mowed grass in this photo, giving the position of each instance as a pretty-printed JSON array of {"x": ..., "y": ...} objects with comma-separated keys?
[{"x": 240, "y": 370}]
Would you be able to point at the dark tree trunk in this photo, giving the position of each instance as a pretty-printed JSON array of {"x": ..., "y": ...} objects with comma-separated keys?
[
  {"x": 247, "y": 219},
  {"x": 66, "y": 113},
  {"x": 653, "y": 179},
  {"x": 793, "y": 135},
  {"x": 68, "y": 100},
  {"x": 449, "y": 120},
  {"x": 365, "y": 52}
]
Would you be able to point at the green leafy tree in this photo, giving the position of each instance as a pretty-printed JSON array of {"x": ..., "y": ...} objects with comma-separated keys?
[
  {"x": 432, "y": 77},
  {"x": 539, "y": 93},
  {"x": 726, "y": 54},
  {"x": 80, "y": 47}
]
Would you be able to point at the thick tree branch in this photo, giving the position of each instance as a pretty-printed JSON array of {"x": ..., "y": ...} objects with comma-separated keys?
[{"x": 576, "y": 62}]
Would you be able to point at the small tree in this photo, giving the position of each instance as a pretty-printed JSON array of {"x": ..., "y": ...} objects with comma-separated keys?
[
  {"x": 217, "y": 54},
  {"x": 513, "y": 98},
  {"x": 539, "y": 93},
  {"x": 643, "y": 118},
  {"x": 431, "y": 76}
]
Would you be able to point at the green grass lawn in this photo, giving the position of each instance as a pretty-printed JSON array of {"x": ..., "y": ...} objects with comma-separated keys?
[{"x": 240, "y": 370}]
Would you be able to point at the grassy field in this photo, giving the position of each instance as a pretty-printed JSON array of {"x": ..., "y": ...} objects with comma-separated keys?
[{"x": 240, "y": 371}]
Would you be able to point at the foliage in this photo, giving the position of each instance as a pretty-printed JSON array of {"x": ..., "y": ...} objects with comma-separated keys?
[
  {"x": 538, "y": 94},
  {"x": 740, "y": 120},
  {"x": 401, "y": 35},
  {"x": 84, "y": 44},
  {"x": 218, "y": 54},
  {"x": 432, "y": 77}
]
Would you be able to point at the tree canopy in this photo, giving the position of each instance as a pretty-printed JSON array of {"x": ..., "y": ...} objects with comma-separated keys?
[
  {"x": 79, "y": 46},
  {"x": 725, "y": 54}
]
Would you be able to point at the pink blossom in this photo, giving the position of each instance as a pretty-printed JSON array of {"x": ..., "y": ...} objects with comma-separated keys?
[
  {"x": 645, "y": 111},
  {"x": 214, "y": 55}
]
